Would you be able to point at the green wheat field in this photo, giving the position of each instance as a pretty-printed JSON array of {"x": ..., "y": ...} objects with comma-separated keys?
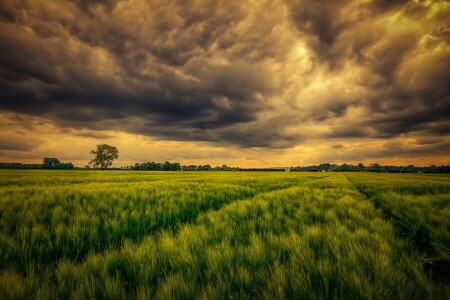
[{"x": 223, "y": 235}]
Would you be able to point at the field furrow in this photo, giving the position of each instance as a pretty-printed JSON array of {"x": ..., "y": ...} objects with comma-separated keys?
[{"x": 421, "y": 211}]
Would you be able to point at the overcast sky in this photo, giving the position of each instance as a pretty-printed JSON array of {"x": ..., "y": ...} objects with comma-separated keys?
[{"x": 243, "y": 83}]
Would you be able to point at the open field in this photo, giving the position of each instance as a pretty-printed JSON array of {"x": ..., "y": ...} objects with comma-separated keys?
[{"x": 217, "y": 235}]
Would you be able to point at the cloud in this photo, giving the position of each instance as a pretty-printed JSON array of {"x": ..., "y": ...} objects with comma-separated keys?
[
  {"x": 15, "y": 145},
  {"x": 337, "y": 146},
  {"x": 37, "y": 138},
  {"x": 94, "y": 135},
  {"x": 175, "y": 68},
  {"x": 253, "y": 74},
  {"x": 400, "y": 49}
]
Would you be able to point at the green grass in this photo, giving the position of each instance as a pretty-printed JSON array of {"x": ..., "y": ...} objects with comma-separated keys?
[
  {"x": 420, "y": 206},
  {"x": 222, "y": 235}
]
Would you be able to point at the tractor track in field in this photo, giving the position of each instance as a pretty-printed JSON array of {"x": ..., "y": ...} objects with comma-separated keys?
[
  {"x": 178, "y": 225},
  {"x": 436, "y": 270},
  {"x": 175, "y": 226}
]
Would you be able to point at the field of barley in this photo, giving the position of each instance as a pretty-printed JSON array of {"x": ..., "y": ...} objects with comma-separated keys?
[{"x": 223, "y": 235}]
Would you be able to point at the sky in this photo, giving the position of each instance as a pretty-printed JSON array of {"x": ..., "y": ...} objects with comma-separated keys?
[{"x": 249, "y": 83}]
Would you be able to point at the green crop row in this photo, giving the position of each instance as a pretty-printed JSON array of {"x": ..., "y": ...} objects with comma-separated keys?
[{"x": 420, "y": 205}]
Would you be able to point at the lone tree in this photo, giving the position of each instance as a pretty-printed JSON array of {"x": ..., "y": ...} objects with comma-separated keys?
[{"x": 104, "y": 156}]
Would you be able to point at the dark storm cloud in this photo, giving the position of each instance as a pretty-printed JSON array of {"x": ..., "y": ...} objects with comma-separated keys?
[
  {"x": 348, "y": 131},
  {"x": 341, "y": 28},
  {"x": 86, "y": 4},
  {"x": 156, "y": 67},
  {"x": 93, "y": 135},
  {"x": 223, "y": 71},
  {"x": 408, "y": 82},
  {"x": 17, "y": 145}
]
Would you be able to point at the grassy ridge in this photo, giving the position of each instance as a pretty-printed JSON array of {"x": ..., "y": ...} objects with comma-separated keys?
[{"x": 227, "y": 235}]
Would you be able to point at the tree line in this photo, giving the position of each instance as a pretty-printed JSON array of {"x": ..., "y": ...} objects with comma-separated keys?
[
  {"x": 48, "y": 163},
  {"x": 104, "y": 155},
  {"x": 51, "y": 163},
  {"x": 326, "y": 167},
  {"x": 168, "y": 166}
]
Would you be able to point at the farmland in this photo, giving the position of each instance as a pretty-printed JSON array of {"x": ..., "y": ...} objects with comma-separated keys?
[{"x": 222, "y": 235}]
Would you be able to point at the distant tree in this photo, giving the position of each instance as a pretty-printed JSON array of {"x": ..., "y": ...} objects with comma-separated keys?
[
  {"x": 20, "y": 166},
  {"x": 104, "y": 156},
  {"x": 324, "y": 167},
  {"x": 361, "y": 166},
  {"x": 67, "y": 166},
  {"x": 206, "y": 168},
  {"x": 51, "y": 163},
  {"x": 190, "y": 168},
  {"x": 167, "y": 166},
  {"x": 377, "y": 168},
  {"x": 409, "y": 169}
]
